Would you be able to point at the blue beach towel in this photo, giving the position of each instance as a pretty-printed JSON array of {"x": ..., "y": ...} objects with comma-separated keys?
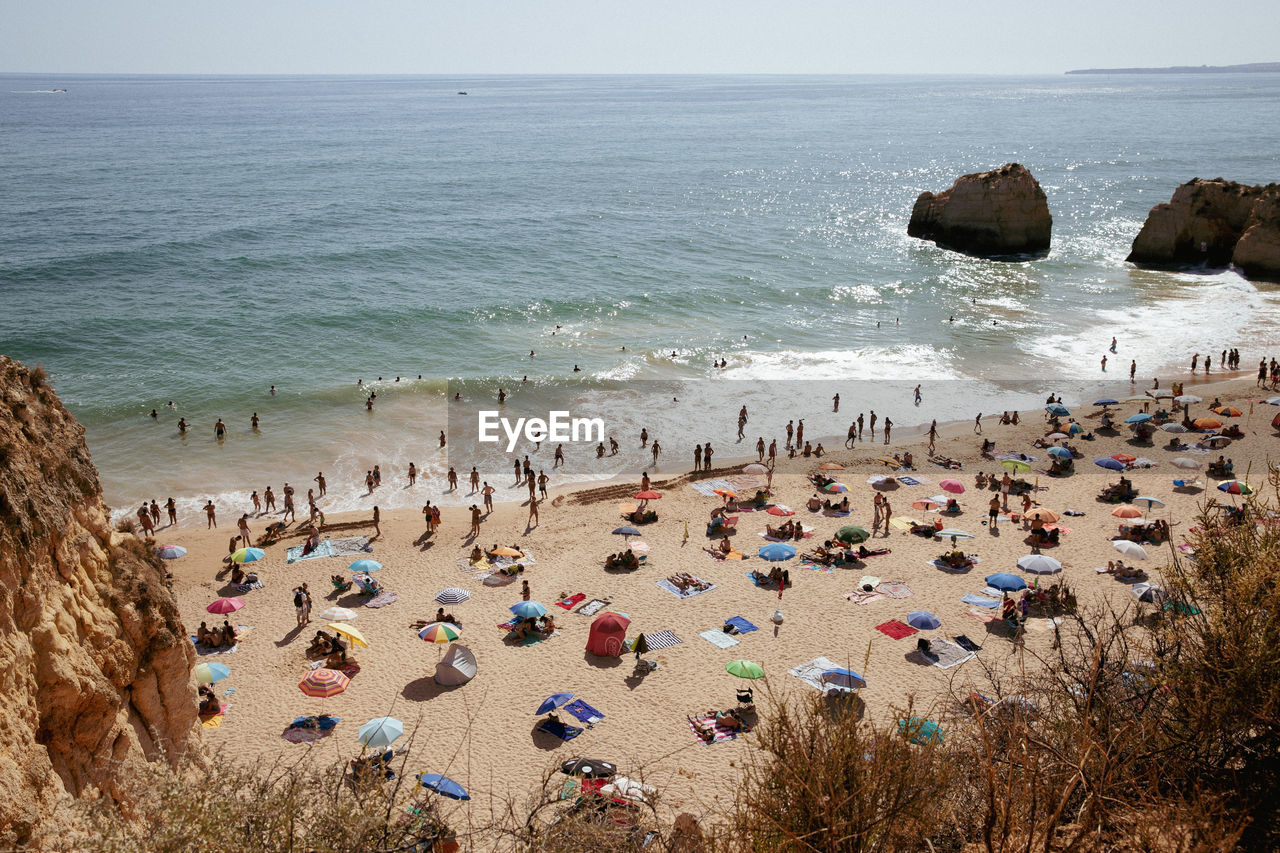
[
  {"x": 559, "y": 730},
  {"x": 980, "y": 600},
  {"x": 743, "y": 626},
  {"x": 584, "y": 712},
  {"x": 909, "y": 481}
]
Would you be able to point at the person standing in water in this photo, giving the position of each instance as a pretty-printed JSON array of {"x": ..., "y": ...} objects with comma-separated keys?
[{"x": 219, "y": 430}]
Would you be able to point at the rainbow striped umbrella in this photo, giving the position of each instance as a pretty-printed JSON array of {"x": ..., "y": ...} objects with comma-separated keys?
[
  {"x": 323, "y": 683},
  {"x": 1235, "y": 487},
  {"x": 440, "y": 632}
]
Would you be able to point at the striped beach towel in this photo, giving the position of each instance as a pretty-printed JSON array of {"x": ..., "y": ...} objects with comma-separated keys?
[{"x": 661, "y": 640}]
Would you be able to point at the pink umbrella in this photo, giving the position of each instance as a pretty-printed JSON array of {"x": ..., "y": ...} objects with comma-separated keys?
[
  {"x": 226, "y": 605},
  {"x": 779, "y": 509},
  {"x": 955, "y": 487}
]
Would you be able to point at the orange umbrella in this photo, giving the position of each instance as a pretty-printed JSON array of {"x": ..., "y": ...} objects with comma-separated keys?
[
  {"x": 831, "y": 466},
  {"x": 726, "y": 493},
  {"x": 1228, "y": 412},
  {"x": 647, "y": 495},
  {"x": 1207, "y": 423},
  {"x": 1124, "y": 457},
  {"x": 323, "y": 683},
  {"x": 1046, "y": 515},
  {"x": 925, "y": 504},
  {"x": 1127, "y": 512}
]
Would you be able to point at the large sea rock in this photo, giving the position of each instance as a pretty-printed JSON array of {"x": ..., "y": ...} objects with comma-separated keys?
[
  {"x": 998, "y": 214},
  {"x": 1214, "y": 224},
  {"x": 95, "y": 665}
]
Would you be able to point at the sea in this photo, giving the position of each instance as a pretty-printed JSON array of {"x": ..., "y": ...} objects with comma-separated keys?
[{"x": 655, "y": 250}]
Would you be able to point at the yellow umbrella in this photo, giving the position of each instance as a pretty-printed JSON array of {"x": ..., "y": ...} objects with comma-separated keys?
[
  {"x": 504, "y": 551},
  {"x": 1046, "y": 515},
  {"x": 350, "y": 633}
]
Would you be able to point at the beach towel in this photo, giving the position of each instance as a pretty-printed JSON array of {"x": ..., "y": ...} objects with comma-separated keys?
[
  {"x": 938, "y": 564},
  {"x": 496, "y": 578},
  {"x": 718, "y": 638},
  {"x": 707, "y": 488},
  {"x": 661, "y": 640},
  {"x": 811, "y": 672},
  {"x": 346, "y": 547},
  {"x": 902, "y": 523},
  {"x": 201, "y": 649},
  {"x": 382, "y": 599},
  {"x": 509, "y": 625},
  {"x": 894, "y": 589},
  {"x": 814, "y": 567},
  {"x": 982, "y": 617},
  {"x": 835, "y": 513},
  {"x": 895, "y": 629},
  {"x": 560, "y": 730},
  {"x": 592, "y": 607},
  {"x": 720, "y": 734},
  {"x": 743, "y": 626},
  {"x": 584, "y": 712},
  {"x": 869, "y": 580},
  {"x": 246, "y": 587},
  {"x": 912, "y": 481},
  {"x": 572, "y": 601},
  {"x": 980, "y": 600},
  {"x": 861, "y": 596},
  {"x": 678, "y": 593},
  {"x": 310, "y": 729},
  {"x": 965, "y": 643},
  {"x": 213, "y": 721},
  {"x": 945, "y": 654},
  {"x": 999, "y": 594},
  {"x": 808, "y": 534}
]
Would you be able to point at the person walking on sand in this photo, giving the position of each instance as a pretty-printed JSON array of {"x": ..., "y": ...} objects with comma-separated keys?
[
  {"x": 144, "y": 519},
  {"x": 475, "y": 520},
  {"x": 531, "y": 483},
  {"x": 289, "y": 511},
  {"x": 697, "y": 457},
  {"x": 543, "y": 479},
  {"x": 244, "y": 529},
  {"x": 888, "y": 425},
  {"x": 977, "y": 424},
  {"x": 877, "y": 505},
  {"x": 993, "y": 511},
  {"x": 773, "y": 451},
  {"x": 426, "y": 515},
  {"x": 172, "y": 506},
  {"x": 319, "y": 478},
  {"x": 212, "y": 513},
  {"x": 377, "y": 522},
  {"x": 533, "y": 512},
  {"x": 933, "y": 435},
  {"x": 1005, "y": 483},
  {"x": 487, "y": 492},
  {"x": 853, "y": 434},
  {"x": 888, "y": 515},
  {"x": 760, "y": 448}
]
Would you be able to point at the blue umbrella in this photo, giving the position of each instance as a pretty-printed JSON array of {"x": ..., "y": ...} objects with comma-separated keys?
[
  {"x": 1108, "y": 462},
  {"x": 1150, "y": 502},
  {"x": 365, "y": 566},
  {"x": 1106, "y": 401},
  {"x": 777, "y": 552},
  {"x": 444, "y": 786},
  {"x": 211, "y": 673},
  {"x": 1141, "y": 417},
  {"x": 1006, "y": 582},
  {"x": 171, "y": 552},
  {"x": 626, "y": 531},
  {"x": 557, "y": 700},
  {"x": 1057, "y": 409},
  {"x": 923, "y": 620},
  {"x": 1060, "y": 452},
  {"x": 380, "y": 731},
  {"x": 528, "y": 609},
  {"x": 920, "y": 731},
  {"x": 846, "y": 679}
]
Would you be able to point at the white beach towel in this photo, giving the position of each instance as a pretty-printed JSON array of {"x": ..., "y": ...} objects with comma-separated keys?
[{"x": 719, "y": 639}]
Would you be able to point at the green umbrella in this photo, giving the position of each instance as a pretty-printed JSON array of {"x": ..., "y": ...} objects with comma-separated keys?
[
  {"x": 1015, "y": 465},
  {"x": 744, "y": 669},
  {"x": 852, "y": 534}
]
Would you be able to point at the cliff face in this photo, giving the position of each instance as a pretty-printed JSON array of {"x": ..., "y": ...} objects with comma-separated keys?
[
  {"x": 95, "y": 668},
  {"x": 1214, "y": 223},
  {"x": 989, "y": 214}
]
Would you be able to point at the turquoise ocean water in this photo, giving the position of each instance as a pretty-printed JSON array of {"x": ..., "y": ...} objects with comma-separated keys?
[{"x": 199, "y": 239}]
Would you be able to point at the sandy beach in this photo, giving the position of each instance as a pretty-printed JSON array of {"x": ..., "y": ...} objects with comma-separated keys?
[{"x": 483, "y": 735}]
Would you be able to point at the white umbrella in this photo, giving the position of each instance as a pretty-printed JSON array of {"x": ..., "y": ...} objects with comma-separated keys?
[
  {"x": 1039, "y": 564},
  {"x": 1149, "y": 592},
  {"x": 1173, "y": 427},
  {"x": 452, "y": 595},
  {"x": 1130, "y": 549},
  {"x": 755, "y": 468},
  {"x": 1187, "y": 463},
  {"x": 1189, "y": 398},
  {"x": 338, "y": 614}
]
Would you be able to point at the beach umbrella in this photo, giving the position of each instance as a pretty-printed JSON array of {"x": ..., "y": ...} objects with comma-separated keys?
[
  {"x": 925, "y": 504},
  {"x": 845, "y": 679},
  {"x": 440, "y": 633},
  {"x": 1057, "y": 409},
  {"x": 590, "y": 768},
  {"x": 836, "y": 466},
  {"x": 1172, "y": 427},
  {"x": 323, "y": 683},
  {"x": 1106, "y": 401},
  {"x": 744, "y": 669},
  {"x": 1186, "y": 463},
  {"x": 380, "y": 731},
  {"x": 171, "y": 552},
  {"x": 852, "y": 534},
  {"x": 626, "y": 531},
  {"x": 1163, "y": 393},
  {"x": 1056, "y": 436},
  {"x": 1127, "y": 512},
  {"x": 955, "y": 487},
  {"x": 248, "y": 555},
  {"x": 1124, "y": 457},
  {"x": 226, "y": 605},
  {"x": 365, "y": 566},
  {"x": 755, "y": 468},
  {"x": 1148, "y": 592},
  {"x": 1187, "y": 399},
  {"x": 1235, "y": 487},
  {"x": 647, "y": 495},
  {"x": 1060, "y": 452},
  {"x": 1275, "y": 422},
  {"x": 776, "y": 552},
  {"x": 1046, "y": 515},
  {"x": 724, "y": 493},
  {"x": 211, "y": 673},
  {"x": 639, "y": 547},
  {"x": 920, "y": 731},
  {"x": 1150, "y": 502},
  {"x": 1207, "y": 423},
  {"x": 923, "y": 620},
  {"x": 555, "y": 700},
  {"x": 452, "y": 595},
  {"x": 1130, "y": 549},
  {"x": 350, "y": 633},
  {"x": 528, "y": 609},
  {"x": 780, "y": 509},
  {"x": 835, "y": 487},
  {"x": 1139, "y": 418},
  {"x": 1075, "y": 429},
  {"x": 1039, "y": 564},
  {"x": 1014, "y": 465},
  {"x": 1228, "y": 411},
  {"x": 444, "y": 786},
  {"x": 1006, "y": 582},
  {"x": 1108, "y": 462},
  {"x": 954, "y": 533},
  {"x": 506, "y": 551},
  {"x": 338, "y": 614}
]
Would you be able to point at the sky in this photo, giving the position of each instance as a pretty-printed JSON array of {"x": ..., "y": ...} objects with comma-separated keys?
[{"x": 614, "y": 37}]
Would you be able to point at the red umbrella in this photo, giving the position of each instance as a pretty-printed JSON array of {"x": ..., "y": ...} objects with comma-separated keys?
[
  {"x": 955, "y": 487},
  {"x": 779, "y": 509},
  {"x": 226, "y": 605},
  {"x": 647, "y": 495}
]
